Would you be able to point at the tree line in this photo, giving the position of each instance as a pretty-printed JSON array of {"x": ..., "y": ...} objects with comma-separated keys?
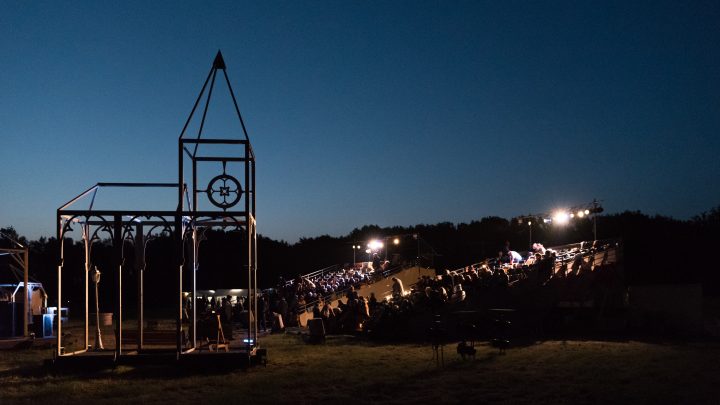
[{"x": 657, "y": 249}]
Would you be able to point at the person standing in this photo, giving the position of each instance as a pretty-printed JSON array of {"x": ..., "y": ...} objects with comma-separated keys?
[
  {"x": 376, "y": 263},
  {"x": 262, "y": 313},
  {"x": 227, "y": 308},
  {"x": 397, "y": 288}
]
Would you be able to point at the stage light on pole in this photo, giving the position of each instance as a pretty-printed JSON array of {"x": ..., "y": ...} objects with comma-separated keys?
[
  {"x": 375, "y": 245},
  {"x": 587, "y": 212},
  {"x": 561, "y": 218},
  {"x": 530, "y": 229},
  {"x": 396, "y": 241},
  {"x": 355, "y": 248},
  {"x": 580, "y": 214},
  {"x": 596, "y": 209}
]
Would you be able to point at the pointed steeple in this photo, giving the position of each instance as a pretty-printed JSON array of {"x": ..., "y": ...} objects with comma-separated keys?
[{"x": 219, "y": 63}]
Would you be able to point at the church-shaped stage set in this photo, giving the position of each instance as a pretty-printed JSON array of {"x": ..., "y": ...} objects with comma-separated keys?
[{"x": 215, "y": 190}]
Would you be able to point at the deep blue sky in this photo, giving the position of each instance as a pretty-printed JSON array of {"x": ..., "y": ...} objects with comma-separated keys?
[{"x": 388, "y": 113}]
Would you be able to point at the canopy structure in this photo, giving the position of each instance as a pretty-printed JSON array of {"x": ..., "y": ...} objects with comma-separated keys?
[{"x": 215, "y": 188}]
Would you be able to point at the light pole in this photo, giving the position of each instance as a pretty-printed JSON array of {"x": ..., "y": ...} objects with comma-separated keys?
[
  {"x": 355, "y": 248},
  {"x": 596, "y": 209},
  {"x": 530, "y": 228},
  {"x": 395, "y": 241},
  {"x": 417, "y": 238},
  {"x": 98, "y": 336}
]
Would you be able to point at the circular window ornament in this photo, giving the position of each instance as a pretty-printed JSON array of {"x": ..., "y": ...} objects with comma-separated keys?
[{"x": 224, "y": 191}]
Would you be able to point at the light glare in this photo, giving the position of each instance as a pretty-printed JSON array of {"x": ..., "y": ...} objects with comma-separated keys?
[
  {"x": 375, "y": 245},
  {"x": 561, "y": 218}
]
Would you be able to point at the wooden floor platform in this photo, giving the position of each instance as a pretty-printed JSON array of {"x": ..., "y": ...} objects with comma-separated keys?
[{"x": 205, "y": 360}]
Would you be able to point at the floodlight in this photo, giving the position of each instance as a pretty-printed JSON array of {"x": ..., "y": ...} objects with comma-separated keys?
[
  {"x": 375, "y": 244},
  {"x": 529, "y": 223},
  {"x": 587, "y": 212},
  {"x": 561, "y": 218},
  {"x": 368, "y": 251},
  {"x": 396, "y": 241},
  {"x": 580, "y": 214}
]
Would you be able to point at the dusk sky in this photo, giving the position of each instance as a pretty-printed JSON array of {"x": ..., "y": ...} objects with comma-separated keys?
[{"x": 360, "y": 112}]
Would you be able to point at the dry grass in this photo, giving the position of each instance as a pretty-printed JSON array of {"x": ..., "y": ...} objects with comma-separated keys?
[{"x": 352, "y": 371}]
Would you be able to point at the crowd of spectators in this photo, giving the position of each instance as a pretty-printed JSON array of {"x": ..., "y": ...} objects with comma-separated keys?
[
  {"x": 311, "y": 288},
  {"x": 572, "y": 269},
  {"x": 574, "y": 273},
  {"x": 322, "y": 286}
]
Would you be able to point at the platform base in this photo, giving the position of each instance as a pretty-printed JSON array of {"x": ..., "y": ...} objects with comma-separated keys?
[{"x": 204, "y": 360}]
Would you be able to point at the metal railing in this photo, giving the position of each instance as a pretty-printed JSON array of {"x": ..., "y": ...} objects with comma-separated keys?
[
  {"x": 377, "y": 276},
  {"x": 320, "y": 273}
]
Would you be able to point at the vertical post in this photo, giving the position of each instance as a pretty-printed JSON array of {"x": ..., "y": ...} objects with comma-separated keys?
[
  {"x": 254, "y": 268},
  {"x": 60, "y": 236},
  {"x": 194, "y": 186},
  {"x": 530, "y": 226},
  {"x": 386, "y": 247},
  {"x": 26, "y": 307},
  {"x": 251, "y": 156},
  {"x": 140, "y": 266},
  {"x": 179, "y": 253},
  {"x": 193, "y": 299},
  {"x": 118, "y": 264},
  {"x": 595, "y": 227},
  {"x": 252, "y": 312},
  {"x": 595, "y": 206},
  {"x": 253, "y": 315},
  {"x": 252, "y": 167},
  {"x": 86, "y": 240},
  {"x": 181, "y": 182},
  {"x": 179, "y": 234},
  {"x": 417, "y": 238}
]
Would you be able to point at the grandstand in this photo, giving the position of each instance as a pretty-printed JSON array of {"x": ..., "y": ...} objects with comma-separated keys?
[
  {"x": 331, "y": 284},
  {"x": 568, "y": 282}
]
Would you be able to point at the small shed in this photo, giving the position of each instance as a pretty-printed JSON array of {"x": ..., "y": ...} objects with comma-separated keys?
[{"x": 12, "y": 306}]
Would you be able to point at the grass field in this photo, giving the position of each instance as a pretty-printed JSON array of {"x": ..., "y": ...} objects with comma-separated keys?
[{"x": 353, "y": 371}]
